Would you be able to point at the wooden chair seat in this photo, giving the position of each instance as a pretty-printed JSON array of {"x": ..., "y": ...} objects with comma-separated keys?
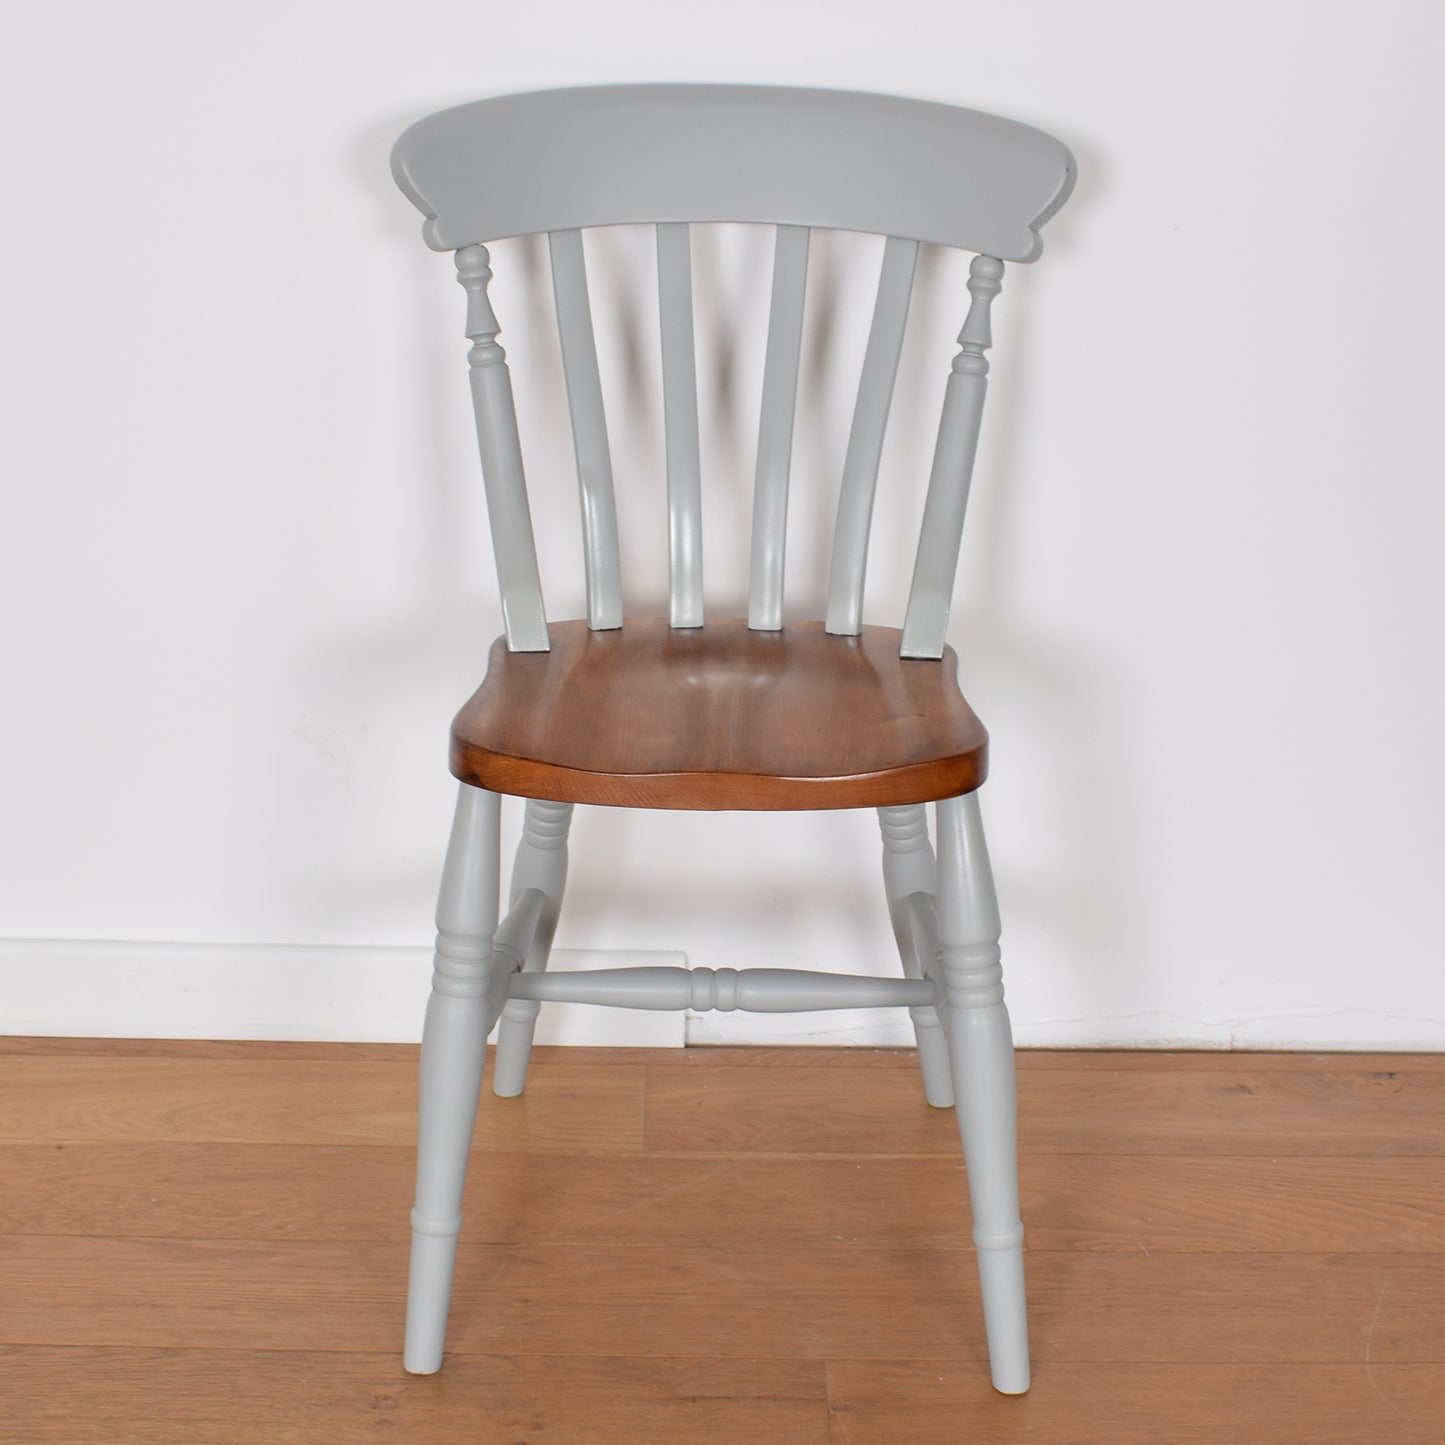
[{"x": 650, "y": 716}]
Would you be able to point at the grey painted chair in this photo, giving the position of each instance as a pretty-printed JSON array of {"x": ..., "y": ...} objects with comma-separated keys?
[{"x": 672, "y": 713}]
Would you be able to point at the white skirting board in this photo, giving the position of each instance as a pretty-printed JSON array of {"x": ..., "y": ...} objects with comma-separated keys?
[
  {"x": 103, "y": 988},
  {"x": 106, "y": 989},
  {"x": 1351, "y": 1030}
]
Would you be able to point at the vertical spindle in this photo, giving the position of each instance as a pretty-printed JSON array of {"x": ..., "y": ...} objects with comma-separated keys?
[
  {"x": 502, "y": 472},
  {"x": 600, "y": 550},
  {"x": 679, "y": 403},
  {"x": 931, "y": 594},
  {"x": 775, "y": 428},
  {"x": 865, "y": 440}
]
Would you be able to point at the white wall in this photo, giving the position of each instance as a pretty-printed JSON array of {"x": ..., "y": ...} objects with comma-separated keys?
[{"x": 246, "y": 578}]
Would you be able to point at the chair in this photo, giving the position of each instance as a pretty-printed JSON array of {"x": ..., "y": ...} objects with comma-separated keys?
[{"x": 672, "y": 713}]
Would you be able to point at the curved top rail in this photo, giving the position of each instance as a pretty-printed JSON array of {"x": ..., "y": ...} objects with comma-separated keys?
[{"x": 609, "y": 155}]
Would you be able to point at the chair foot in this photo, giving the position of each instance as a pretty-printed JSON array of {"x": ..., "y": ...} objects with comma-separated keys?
[
  {"x": 1001, "y": 1278},
  {"x": 514, "y": 1048},
  {"x": 933, "y": 1060},
  {"x": 433, "y": 1259}
]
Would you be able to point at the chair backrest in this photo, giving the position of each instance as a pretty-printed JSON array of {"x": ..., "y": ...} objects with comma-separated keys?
[{"x": 676, "y": 155}]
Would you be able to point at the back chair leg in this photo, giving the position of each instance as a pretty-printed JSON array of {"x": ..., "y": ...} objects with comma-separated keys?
[
  {"x": 909, "y": 868},
  {"x": 981, "y": 1050},
  {"x": 467, "y": 995},
  {"x": 542, "y": 864}
]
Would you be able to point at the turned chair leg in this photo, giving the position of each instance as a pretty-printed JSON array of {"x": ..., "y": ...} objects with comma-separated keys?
[
  {"x": 981, "y": 1050},
  {"x": 908, "y": 868},
  {"x": 541, "y": 864},
  {"x": 467, "y": 995}
]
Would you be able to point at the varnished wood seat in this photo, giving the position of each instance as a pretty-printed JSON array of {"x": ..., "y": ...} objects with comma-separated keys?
[{"x": 650, "y": 716}]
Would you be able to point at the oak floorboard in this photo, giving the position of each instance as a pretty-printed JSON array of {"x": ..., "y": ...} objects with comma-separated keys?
[
  {"x": 1290, "y": 1061},
  {"x": 822, "y": 1302},
  {"x": 1393, "y": 1113},
  {"x": 45, "y": 1046},
  {"x": 82, "y": 1099},
  {"x": 714, "y": 1057},
  {"x": 1070, "y": 1202},
  {"x": 1229, "y": 1204},
  {"x": 737, "y": 1055},
  {"x": 917, "y": 1303},
  {"x": 83, "y": 1396},
  {"x": 877, "y": 1401},
  {"x": 206, "y": 1242}
]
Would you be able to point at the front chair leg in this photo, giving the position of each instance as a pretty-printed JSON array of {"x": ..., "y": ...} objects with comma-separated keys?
[
  {"x": 981, "y": 1052},
  {"x": 467, "y": 995},
  {"x": 542, "y": 864}
]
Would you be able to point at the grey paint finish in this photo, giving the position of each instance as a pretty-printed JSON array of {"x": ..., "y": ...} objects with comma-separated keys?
[
  {"x": 540, "y": 871},
  {"x": 754, "y": 990},
  {"x": 679, "y": 403},
  {"x": 601, "y": 554},
  {"x": 931, "y": 595},
  {"x": 775, "y": 428},
  {"x": 981, "y": 1050},
  {"x": 909, "y": 875},
  {"x": 952, "y": 963},
  {"x": 513, "y": 543},
  {"x": 865, "y": 439},
  {"x": 519, "y": 151},
  {"x": 608, "y": 155},
  {"x": 467, "y": 996}
]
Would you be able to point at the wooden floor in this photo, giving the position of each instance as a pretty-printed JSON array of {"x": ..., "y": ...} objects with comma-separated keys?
[{"x": 207, "y": 1242}]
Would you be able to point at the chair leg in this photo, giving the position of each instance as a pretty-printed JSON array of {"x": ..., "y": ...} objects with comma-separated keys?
[
  {"x": 981, "y": 1050},
  {"x": 467, "y": 995},
  {"x": 541, "y": 863},
  {"x": 908, "y": 868}
]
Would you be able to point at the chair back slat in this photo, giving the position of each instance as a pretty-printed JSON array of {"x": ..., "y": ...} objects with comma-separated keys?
[
  {"x": 865, "y": 440},
  {"x": 589, "y": 431},
  {"x": 502, "y": 474},
  {"x": 775, "y": 428},
  {"x": 679, "y": 405},
  {"x": 931, "y": 595}
]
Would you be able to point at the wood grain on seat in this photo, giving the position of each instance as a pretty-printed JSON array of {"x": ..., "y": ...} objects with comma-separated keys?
[{"x": 720, "y": 717}]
